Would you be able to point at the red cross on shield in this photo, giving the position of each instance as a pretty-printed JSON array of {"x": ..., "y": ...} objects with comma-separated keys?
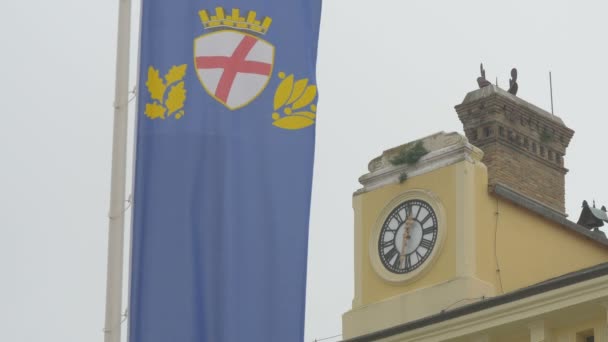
[{"x": 234, "y": 67}]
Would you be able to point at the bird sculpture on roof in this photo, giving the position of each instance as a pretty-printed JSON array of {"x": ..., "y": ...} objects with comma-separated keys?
[
  {"x": 482, "y": 81},
  {"x": 513, "y": 82},
  {"x": 591, "y": 217}
]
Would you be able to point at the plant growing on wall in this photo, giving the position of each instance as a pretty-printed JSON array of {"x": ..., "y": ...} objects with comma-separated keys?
[{"x": 409, "y": 154}]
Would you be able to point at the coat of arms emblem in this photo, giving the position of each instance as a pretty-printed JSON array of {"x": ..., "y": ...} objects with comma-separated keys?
[
  {"x": 234, "y": 65},
  {"x": 232, "y": 62}
]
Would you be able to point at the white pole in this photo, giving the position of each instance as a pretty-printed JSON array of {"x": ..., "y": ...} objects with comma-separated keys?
[{"x": 118, "y": 180}]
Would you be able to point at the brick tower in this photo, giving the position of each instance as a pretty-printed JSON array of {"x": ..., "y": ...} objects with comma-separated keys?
[{"x": 524, "y": 146}]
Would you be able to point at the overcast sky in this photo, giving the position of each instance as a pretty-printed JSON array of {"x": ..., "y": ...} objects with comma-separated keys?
[{"x": 388, "y": 71}]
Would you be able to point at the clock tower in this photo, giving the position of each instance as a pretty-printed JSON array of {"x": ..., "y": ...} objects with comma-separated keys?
[
  {"x": 451, "y": 225},
  {"x": 415, "y": 238}
]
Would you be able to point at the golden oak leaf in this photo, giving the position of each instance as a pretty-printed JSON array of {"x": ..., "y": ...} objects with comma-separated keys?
[
  {"x": 176, "y": 73},
  {"x": 154, "y": 111},
  {"x": 176, "y": 98},
  {"x": 283, "y": 92},
  {"x": 309, "y": 95},
  {"x": 306, "y": 114},
  {"x": 298, "y": 90},
  {"x": 293, "y": 122},
  {"x": 155, "y": 84}
]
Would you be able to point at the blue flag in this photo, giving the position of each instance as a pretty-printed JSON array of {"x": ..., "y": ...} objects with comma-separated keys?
[{"x": 224, "y": 157}]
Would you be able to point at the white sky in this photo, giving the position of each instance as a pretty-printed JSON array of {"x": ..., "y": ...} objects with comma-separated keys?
[{"x": 389, "y": 72}]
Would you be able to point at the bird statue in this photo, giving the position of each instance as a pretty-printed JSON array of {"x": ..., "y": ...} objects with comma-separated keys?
[
  {"x": 482, "y": 81},
  {"x": 513, "y": 82}
]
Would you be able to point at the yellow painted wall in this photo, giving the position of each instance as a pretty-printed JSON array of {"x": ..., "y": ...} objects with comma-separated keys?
[
  {"x": 442, "y": 183},
  {"x": 482, "y": 233},
  {"x": 580, "y": 328},
  {"x": 524, "y": 338},
  {"x": 529, "y": 248}
]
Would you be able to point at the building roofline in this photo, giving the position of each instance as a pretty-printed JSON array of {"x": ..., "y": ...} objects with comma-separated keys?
[
  {"x": 550, "y": 214},
  {"x": 493, "y": 90},
  {"x": 539, "y": 288}
]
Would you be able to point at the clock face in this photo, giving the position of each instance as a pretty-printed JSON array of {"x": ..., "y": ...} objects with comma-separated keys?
[{"x": 407, "y": 236}]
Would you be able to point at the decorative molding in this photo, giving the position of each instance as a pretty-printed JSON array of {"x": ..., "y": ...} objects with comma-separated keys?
[
  {"x": 493, "y": 91},
  {"x": 505, "y": 142},
  {"x": 562, "y": 293},
  {"x": 415, "y": 305},
  {"x": 444, "y": 149}
]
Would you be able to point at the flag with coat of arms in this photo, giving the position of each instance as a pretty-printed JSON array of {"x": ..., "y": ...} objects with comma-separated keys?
[{"x": 224, "y": 155}]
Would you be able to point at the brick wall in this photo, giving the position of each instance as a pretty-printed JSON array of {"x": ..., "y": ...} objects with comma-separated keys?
[
  {"x": 524, "y": 174},
  {"x": 524, "y": 146}
]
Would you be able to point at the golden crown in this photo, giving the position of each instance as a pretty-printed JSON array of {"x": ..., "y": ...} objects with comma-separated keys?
[{"x": 234, "y": 20}]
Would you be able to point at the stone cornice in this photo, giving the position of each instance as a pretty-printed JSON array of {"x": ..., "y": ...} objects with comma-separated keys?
[
  {"x": 444, "y": 149},
  {"x": 505, "y": 142},
  {"x": 491, "y": 100},
  {"x": 492, "y": 91}
]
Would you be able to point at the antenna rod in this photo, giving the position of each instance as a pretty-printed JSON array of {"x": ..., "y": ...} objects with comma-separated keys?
[{"x": 551, "y": 90}]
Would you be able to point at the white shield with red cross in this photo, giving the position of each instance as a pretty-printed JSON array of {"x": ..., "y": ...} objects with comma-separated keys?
[{"x": 233, "y": 67}]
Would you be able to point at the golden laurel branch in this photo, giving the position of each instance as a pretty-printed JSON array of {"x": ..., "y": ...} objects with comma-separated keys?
[
  {"x": 169, "y": 102},
  {"x": 295, "y": 100}
]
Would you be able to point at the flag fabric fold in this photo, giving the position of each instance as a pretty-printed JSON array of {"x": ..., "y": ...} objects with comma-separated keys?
[{"x": 223, "y": 173}]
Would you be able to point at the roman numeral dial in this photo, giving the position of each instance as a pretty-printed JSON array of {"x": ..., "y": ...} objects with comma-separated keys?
[{"x": 408, "y": 236}]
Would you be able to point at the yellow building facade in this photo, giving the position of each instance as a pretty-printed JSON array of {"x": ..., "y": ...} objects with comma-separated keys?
[{"x": 445, "y": 253}]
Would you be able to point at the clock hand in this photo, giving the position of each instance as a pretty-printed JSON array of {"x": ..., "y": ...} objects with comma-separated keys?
[{"x": 406, "y": 236}]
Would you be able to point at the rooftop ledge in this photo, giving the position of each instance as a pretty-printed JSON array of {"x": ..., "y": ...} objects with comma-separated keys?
[
  {"x": 443, "y": 149},
  {"x": 493, "y": 90}
]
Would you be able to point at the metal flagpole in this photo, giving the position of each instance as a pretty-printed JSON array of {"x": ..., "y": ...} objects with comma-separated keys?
[{"x": 118, "y": 180}]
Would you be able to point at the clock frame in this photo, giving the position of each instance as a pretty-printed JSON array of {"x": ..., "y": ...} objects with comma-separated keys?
[{"x": 420, "y": 215}]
